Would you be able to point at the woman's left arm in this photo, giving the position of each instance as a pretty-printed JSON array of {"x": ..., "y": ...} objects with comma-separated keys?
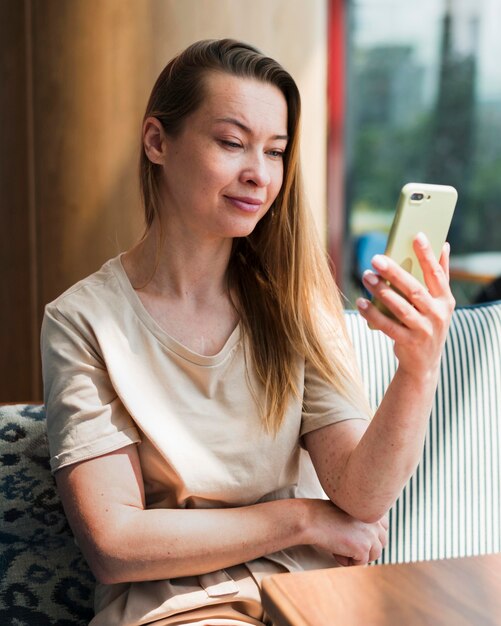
[{"x": 363, "y": 468}]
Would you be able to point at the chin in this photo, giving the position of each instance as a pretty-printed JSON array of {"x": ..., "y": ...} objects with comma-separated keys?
[
  {"x": 244, "y": 232},
  {"x": 241, "y": 229}
]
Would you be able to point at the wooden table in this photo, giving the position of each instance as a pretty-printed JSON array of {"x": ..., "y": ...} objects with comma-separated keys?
[{"x": 452, "y": 592}]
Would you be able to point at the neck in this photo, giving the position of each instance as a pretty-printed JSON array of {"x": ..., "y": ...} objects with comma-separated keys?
[{"x": 178, "y": 264}]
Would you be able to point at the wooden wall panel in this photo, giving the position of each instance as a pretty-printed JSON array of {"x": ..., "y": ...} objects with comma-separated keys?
[
  {"x": 16, "y": 290},
  {"x": 83, "y": 75},
  {"x": 87, "y": 60}
]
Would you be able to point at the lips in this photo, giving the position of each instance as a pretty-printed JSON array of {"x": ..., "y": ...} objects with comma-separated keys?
[{"x": 245, "y": 203}]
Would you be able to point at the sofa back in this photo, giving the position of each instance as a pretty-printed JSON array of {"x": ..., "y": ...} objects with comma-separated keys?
[{"x": 452, "y": 505}]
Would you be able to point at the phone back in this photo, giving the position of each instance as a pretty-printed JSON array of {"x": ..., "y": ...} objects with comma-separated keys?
[{"x": 421, "y": 208}]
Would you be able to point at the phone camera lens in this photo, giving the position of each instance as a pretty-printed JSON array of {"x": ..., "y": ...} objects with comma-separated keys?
[{"x": 417, "y": 197}]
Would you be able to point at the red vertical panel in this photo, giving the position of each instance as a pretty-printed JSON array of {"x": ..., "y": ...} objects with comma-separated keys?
[{"x": 335, "y": 134}]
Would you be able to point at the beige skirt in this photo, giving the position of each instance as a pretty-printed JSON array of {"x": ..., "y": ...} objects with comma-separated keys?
[
  {"x": 220, "y": 615},
  {"x": 226, "y": 597}
]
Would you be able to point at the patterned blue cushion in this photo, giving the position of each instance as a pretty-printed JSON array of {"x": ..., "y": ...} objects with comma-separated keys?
[
  {"x": 452, "y": 505},
  {"x": 44, "y": 579}
]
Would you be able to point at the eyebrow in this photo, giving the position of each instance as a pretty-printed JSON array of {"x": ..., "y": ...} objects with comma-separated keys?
[{"x": 233, "y": 120}]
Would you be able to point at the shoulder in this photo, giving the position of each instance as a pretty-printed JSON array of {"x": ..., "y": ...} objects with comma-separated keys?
[
  {"x": 98, "y": 291},
  {"x": 92, "y": 309}
]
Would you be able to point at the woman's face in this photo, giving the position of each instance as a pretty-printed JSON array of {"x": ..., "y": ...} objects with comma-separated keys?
[{"x": 223, "y": 171}]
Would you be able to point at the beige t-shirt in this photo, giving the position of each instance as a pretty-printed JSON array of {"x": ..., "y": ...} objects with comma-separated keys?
[{"x": 113, "y": 377}]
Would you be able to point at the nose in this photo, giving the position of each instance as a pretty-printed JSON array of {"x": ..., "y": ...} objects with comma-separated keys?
[{"x": 256, "y": 171}]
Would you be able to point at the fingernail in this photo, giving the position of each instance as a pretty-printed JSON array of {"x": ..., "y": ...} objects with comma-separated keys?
[
  {"x": 362, "y": 303},
  {"x": 447, "y": 247},
  {"x": 422, "y": 240},
  {"x": 379, "y": 262},
  {"x": 370, "y": 277}
]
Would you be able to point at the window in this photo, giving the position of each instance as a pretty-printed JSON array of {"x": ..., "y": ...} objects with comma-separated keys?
[{"x": 424, "y": 104}]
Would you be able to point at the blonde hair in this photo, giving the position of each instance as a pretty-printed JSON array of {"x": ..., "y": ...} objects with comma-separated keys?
[{"x": 288, "y": 302}]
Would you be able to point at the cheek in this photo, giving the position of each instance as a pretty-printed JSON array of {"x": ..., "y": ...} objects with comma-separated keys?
[
  {"x": 278, "y": 180},
  {"x": 202, "y": 177},
  {"x": 218, "y": 170}
]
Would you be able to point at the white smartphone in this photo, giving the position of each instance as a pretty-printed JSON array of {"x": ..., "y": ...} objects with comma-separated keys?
[{"x": 421, "y": 207}]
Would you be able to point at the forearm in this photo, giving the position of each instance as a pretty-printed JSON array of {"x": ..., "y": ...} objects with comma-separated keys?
[
  {"x": 386, "y": 456},
  {"x": 168, "y": 543},
  {"x": 377, "y": 468}
]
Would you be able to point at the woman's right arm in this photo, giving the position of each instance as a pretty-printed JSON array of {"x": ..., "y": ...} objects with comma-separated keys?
[{"x": 124, "y": 542}]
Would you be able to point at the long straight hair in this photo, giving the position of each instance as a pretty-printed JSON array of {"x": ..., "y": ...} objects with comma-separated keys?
[{"x": 288, "y": 303}]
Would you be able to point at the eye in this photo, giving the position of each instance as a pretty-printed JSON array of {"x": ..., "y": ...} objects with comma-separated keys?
[
  {"x": 276, "y": 154},
  {"x": 230, "y": 144}
]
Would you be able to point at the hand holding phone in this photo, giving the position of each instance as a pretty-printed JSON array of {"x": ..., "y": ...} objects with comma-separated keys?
[{"x": 423, "y": 208}]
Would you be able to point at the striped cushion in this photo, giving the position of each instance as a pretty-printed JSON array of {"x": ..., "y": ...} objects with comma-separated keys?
[{"x": 452, "y": 505}]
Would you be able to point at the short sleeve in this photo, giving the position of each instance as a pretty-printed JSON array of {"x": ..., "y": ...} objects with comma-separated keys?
[
  {"x": 85, "y": 417},
  {"x": 324, "y": 405}
]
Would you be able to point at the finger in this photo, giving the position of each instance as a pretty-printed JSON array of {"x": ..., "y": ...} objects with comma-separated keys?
[
  {"x": 383, "y": 536},
  {"x": 363, "y": 561},
  {"x": 344, "y": 561},
  {"x": 435, "y": 277},
  {"x": 378, "y": 321},
  {"x": 375, "y": 552},
  {"x": 406, "y": 313},
  {"x": 406, "y": 284}
]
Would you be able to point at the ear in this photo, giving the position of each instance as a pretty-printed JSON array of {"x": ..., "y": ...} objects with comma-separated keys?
[{"x": 154, "y": 140}]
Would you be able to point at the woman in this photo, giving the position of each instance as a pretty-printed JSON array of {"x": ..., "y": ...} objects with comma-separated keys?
[{"x": 182, "y": 378}]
